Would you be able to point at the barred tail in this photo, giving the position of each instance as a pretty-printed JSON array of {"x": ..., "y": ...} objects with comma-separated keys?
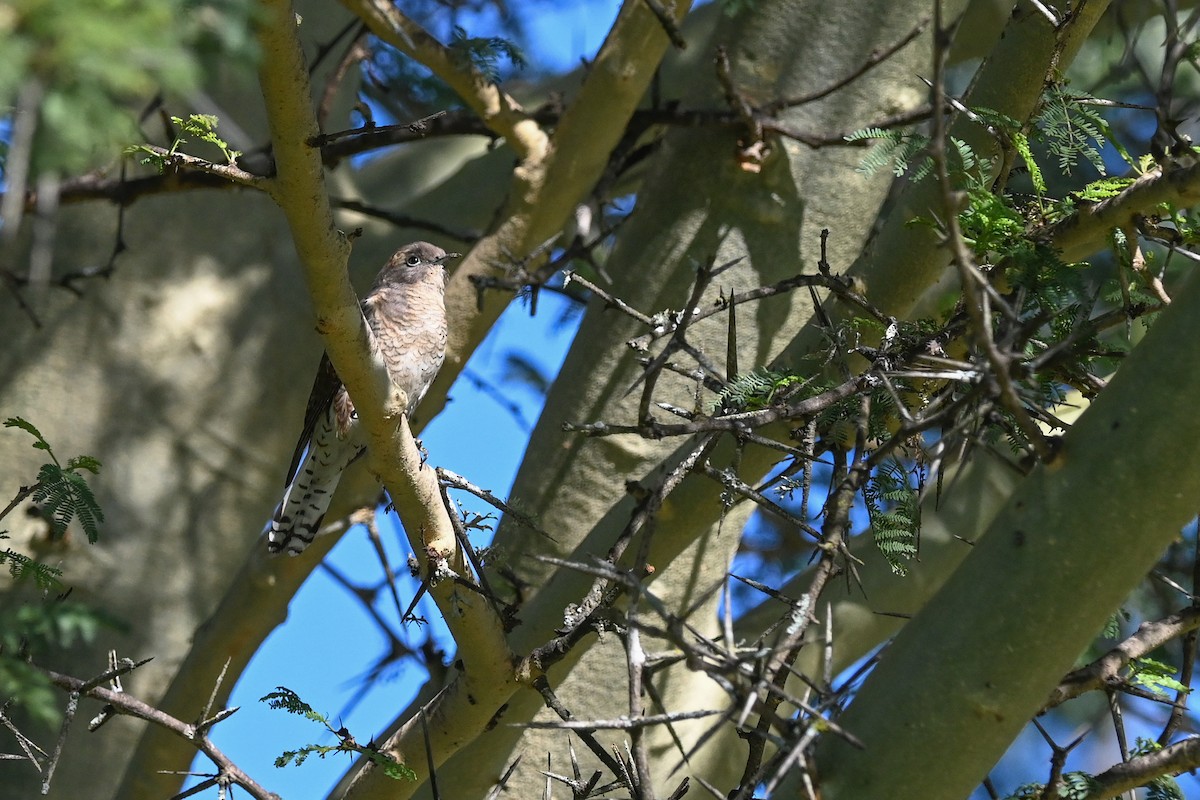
[{"x": 298, "y": 516}]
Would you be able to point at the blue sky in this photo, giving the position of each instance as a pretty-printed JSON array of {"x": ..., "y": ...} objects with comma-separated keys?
[{"x": 329, "y": 641}]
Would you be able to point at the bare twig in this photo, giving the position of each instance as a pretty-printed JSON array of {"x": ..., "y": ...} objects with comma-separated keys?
[
  {"x": 456, "y": 481},
  {"x": 668, "y": 24},
  {"x": 623, "y": 723},
  {"x": 184, "y": 162},
  {"x": 124, "y": 703}
]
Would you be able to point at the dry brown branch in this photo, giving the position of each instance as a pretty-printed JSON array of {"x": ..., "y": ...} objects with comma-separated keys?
[
  {"x": 195, "y": 735},
  {"x": 1173, "y": 759},
  {"x": 501, "y": 113},
  {"x": 1106, "y": 670}
]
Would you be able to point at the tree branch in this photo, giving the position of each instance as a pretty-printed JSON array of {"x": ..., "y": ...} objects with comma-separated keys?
[
  {"x": 300, "y": 191},
  {"x": 499, "y": 112},
  {"x": 196, "y": 737},
  {"x": 1107, "y": 669},
  {"x": 1066, "y": 528},
  {"x": 1173, "y": 759},
  {"x": 1086, "y": 231}
]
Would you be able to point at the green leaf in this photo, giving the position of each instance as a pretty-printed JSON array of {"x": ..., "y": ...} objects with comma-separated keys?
[
  {"x": 1072, "y": 786},
  {"x": 1112, "y": 626},
  {"x": 484, "y": 53},
  {"x": 22, "y": 567},
  {"x": 756, "y": 389},
  {"x": 284, "y": 698},
  {"x": 1074, "y": 129},
  {"x": 89, "y": 463},
  {"x": 27, "y": 426},
  {"x": 65, "y": 496},
  {"x": 204, "y": 128},
  {"x": 894, "y": 509},
  {"x": 289, "y": 701},
  {"x": 1021, "y": 143},
  {"x": 1155, "y": 676}
]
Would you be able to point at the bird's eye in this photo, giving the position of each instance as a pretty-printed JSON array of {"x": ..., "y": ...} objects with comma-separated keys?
[{"x": 413, "y": 260}]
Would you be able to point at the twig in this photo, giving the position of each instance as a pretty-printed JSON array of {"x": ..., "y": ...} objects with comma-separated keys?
[
  {"x": 406, "y": 221},
  {"x": 126, "y": 704},
  {"x": 651, "y": 372},
  {"x": 874, "y": 59},
  {"x": 584, "y": 731},
  {"x": 184, "y": 162},
  {"x": 621, "y": 724},
  {"x": 975, "y": 299},
  {"x": 668, "y": 24},
  {"x": 457, "y": 481},
  {"x": 612, "y": 300},
  {"x": 842, "y": 287},
  {"x": 737, "y": 422},
  {"x": 730, "y": 480},
  {"x": 1107, "y": 669}
]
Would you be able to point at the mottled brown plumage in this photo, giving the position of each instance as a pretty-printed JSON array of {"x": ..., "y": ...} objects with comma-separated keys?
[{"x": 406, "y": 312}]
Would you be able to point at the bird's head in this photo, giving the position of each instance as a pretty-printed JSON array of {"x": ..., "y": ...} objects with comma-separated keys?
[{"x": 416, "y": 263}]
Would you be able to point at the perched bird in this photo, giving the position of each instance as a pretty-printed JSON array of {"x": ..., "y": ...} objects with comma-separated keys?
[{"x": 406, "y": 312}]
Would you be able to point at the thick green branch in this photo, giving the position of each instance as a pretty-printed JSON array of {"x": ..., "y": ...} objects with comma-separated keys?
[
  {"x": 300, "y": 191},
  {"x": 972, "y": 667},
  {"x": 545, "y": 191}
]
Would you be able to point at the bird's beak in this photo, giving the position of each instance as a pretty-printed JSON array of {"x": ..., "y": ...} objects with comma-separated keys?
[{"x": 447, "y": 257}]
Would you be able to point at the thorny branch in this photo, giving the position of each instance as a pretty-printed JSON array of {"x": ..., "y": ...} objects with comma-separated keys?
[
  {"x": 117, "y": 701},
  {"x": 956, "y": 394}
]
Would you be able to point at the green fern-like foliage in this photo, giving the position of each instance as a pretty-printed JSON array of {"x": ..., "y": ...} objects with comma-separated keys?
[
  {"x": 47, "y": 624},
  {"x": 990, "y": 225},
  {"x": 65, "y": 496},
  {"x": 22, "y": 568},
  {"x": 1156, "y": 677},
  {"x": 484, "y": 53},
  {"x": 1054, "y": 286},
  {"x": 893, "y": 149},
  {"x": 284, "y": 699},
  {"x": 895, "y": 512},
  {"x": 287, "y": 700},
  {"x": 1103, "y": 188},
  {"x": 1072, "y": 786},
  {"x": 907, "y": 153},
  {"x": 202, "y": 127},
  {"x": 1075, "y": 131},
  {"x": 756, "y": 389},
  {"x": 62, "y": 490},
  {"x": 1112, "y": 625},
  {"x": 1011, "y": 134}
]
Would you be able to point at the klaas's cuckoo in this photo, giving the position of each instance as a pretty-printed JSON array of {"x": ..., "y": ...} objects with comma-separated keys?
[{"x": 406, "y": 313}]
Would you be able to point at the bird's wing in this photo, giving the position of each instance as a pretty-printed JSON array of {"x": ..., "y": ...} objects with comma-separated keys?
[{"x": 324, "y": 389}]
